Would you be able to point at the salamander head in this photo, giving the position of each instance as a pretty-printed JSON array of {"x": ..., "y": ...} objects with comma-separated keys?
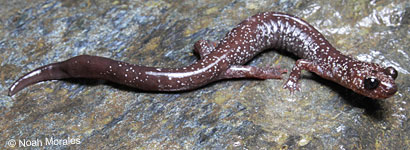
[{"x": 372, "y": 80}]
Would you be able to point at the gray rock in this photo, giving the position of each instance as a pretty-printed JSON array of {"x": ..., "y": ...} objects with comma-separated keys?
[{"x": 233, "y": 114}]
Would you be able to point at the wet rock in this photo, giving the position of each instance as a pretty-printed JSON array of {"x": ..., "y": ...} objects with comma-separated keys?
[{"x": 233, "y": 114}]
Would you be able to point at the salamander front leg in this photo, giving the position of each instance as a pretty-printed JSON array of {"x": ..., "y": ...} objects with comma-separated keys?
[
  {"x": 253, "y": 72},
  {"x": 301, "y": 64},
  {"x": 204, "y": 47}
]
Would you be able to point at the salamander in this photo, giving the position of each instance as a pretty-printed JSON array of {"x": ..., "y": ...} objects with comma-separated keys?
[{"x": 225, "y": 60}]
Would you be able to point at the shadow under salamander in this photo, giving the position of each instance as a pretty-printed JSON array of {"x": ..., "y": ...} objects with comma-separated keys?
[{"x": 372, "y": 107}]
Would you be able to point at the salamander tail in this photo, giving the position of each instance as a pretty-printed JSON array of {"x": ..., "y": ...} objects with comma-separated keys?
[{"x": 44, "y": 73}]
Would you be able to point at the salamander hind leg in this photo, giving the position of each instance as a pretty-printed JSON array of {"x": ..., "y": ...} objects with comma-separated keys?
[
  {"x": 253, "y": 72},
  {"x": 301, "y": 64},
  {"x": 204, "y": 47}
]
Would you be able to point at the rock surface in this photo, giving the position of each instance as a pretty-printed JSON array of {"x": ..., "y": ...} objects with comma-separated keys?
[{"x": 235, "y": 114}]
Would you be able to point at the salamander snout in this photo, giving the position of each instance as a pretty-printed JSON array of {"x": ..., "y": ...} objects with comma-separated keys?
[
  {"x": 380, "y": 84},
  {"x": 372, "y": 80}
]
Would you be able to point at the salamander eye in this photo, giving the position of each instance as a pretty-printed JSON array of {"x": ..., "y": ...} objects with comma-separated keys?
[
  {"x": 371, "y": 83},
  {"x": 391, "y": 72}
]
